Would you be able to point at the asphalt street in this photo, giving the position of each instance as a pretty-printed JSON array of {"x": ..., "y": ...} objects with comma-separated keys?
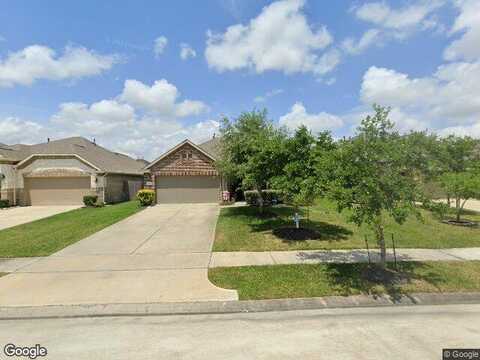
[{"x": 410, "y": 332}]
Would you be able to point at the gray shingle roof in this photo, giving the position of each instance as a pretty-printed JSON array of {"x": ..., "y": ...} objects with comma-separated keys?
[
  {"x": 104, "y": 159},
  {"x": 212, "y": 146}
]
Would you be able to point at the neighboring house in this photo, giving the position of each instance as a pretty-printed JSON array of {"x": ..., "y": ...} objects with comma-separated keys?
[
  {"x": 187, "y": 174},
  {"x": 61, "y": 172}
]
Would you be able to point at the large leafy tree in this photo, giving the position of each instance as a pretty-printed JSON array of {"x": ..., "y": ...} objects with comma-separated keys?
[
  {"x": 253, "y": 150},
  {"x": 459, "y": 160},
  {"x": 372, "y": 176},
  {"x": 461, "y": 186}
]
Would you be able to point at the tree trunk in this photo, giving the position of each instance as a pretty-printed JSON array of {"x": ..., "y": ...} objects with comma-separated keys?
[
  {"x": 458, "y": 208},
  {"x": 381, "y": 242},
  {"x": 260, "y": 201}
]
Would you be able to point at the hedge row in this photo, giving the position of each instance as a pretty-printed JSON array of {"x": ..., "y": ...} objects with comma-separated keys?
[{"x": 270, "y": 197}]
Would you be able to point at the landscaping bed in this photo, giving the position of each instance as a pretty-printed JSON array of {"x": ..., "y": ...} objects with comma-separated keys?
[
  {"x": 300, "y": 281},
  {"x": 46, "y": 236},
  {"x": 241, "y": 229}
]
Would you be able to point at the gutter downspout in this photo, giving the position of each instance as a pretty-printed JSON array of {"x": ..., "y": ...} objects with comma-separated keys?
[
  {"x": 104, "y": 187},
  {"x": 14, "y": 187}
]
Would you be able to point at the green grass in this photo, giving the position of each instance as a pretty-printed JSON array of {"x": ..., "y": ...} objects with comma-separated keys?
[
  {"x": 46, "y": 236},
  {"x": 298, "y": 281},
  {"x": 241, "y": 229}
]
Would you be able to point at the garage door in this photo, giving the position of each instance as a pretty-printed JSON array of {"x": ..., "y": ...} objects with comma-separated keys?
[
  {"x": 187, "y": 189},
  {"x": 57, "y": 191}
]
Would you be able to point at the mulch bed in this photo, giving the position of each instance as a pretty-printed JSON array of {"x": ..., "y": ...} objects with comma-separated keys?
[
  {"x": 294, "y": 234},
  {"x": 466, "y": 223}
]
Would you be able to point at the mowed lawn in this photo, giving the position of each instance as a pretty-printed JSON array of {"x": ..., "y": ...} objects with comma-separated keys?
[
  {"x": 300, "y": 281},
  {"x": 46, "y": 236},
  {"x": 241, "y": 229}
]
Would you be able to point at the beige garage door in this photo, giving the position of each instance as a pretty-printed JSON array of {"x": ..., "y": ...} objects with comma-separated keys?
[
  {"x": 187, "y": 189},
  {"x": 57, "y": 191}
]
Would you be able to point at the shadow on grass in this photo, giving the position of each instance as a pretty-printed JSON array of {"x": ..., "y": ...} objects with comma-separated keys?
[
  {"x": 279, "y": 221},
  {"x": 370, "y": 279}
]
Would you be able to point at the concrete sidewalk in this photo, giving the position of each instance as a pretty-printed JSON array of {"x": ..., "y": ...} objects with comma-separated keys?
[{"x": 230, "y": 259}]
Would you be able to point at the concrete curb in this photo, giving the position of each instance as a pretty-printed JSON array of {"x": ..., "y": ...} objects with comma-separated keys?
[{"x": 227, "y": 307}]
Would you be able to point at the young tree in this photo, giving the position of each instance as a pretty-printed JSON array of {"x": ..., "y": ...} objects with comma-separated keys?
[
  {"x": 253, "y": 151},
  {"x": 298, "y": 181},
  {"x": 372, "y": 177},
  {"x": 461, "y": 186}
]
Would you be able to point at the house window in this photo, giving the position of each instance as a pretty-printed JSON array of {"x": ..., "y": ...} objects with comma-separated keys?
[
  {"x": 184, "y": 155},
  {"x": 190, "y": 155}
]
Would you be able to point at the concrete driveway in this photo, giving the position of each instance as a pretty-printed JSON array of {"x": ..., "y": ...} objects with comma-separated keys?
[
  {"x": 21, "y": 215},
  {"x": 158, "y": 255}
]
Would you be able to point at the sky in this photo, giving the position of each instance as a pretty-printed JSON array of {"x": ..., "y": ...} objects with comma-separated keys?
[{"x": 141, "y": 76}]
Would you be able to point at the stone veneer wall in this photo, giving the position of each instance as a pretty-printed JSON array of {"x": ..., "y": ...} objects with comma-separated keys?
[{"x": 175, "y": 165}]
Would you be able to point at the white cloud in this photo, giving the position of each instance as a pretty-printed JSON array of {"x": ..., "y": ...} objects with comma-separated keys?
[
  {"x": 160, "y": 98},
  {"x": 186, "y": 51},
  {"x": 267, "y": 95},
  {"x": 355, "y": 47},
  {"x": 400, "y": 19},
  {"x": 393, "y": 23},
  {"x": 14, "y": 130},
  {"x": 279, "y": 38},
  {"x": 159, "y": 45},
  {"x": 99, "y": 118},
  {"x": 467, "y": 47},
  {"x": 315, "y": 122},
  {"x": 37, "y": 62},
  {"x": 448, "y": 99},
  {"x": 472, "y": 130},
  {"x": 121, "y": 124}
]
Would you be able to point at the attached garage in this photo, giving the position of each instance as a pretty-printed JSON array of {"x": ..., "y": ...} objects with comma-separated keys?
[
  {"x": 185, "y": 174},
  {"x": 57, "y": 191},
  {"x": 187, "y": 189}
]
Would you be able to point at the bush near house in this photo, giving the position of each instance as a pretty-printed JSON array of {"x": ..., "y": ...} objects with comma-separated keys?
[
  {"x": 269, "y": 197},
  {"x": 146, "y": 197},
  {"x": 4, "y": 204},
  {"x": 90, "y": 200}
]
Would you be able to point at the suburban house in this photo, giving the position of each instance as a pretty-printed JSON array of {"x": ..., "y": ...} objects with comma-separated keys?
[
  {"x": 186, "y": 174},
  {"x": 61, "y": 172}
]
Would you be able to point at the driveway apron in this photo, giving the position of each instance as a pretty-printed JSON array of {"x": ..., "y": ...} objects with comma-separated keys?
[
  {"x": 20, "y": 215},
  {"x": 158, "y": 255}
]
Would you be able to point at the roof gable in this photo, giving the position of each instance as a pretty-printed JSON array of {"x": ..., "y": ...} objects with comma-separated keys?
[{"x": 176, "y": 148}]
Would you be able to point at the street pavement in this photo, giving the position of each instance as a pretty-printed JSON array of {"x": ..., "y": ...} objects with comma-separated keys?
[{"x": 394, "y": 333}]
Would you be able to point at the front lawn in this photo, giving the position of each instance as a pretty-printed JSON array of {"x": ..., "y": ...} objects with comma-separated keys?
[
  {"x": 299, "y": 281},
  {"x": 46, "y": 236},
  {"x": 241, "y": 229}
]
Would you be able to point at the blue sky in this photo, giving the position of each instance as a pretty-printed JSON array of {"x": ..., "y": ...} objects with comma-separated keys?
[{"x": 139, "y": 76}]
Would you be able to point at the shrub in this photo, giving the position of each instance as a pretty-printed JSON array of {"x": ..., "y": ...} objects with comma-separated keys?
[
  {"x": 269, "y": 197},
  {"x": 4, "y": 204},
  {"x": 146, "y": 197},
  {"x": 90, "y": 200},
  {"x": 438, "y": 209}
]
